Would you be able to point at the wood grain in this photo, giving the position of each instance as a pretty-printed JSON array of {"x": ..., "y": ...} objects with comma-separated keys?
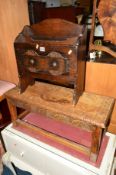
[
  {"x": 13, "y": 111},
  {"x": 96, "y": 143},
  {"x": 56, "y": 103},
  {"x": 101, "y": 79},
  {"x": 92, "y": 111},
  {"x": 13, "y": 16},
  {"x": 62, "y": 61}
]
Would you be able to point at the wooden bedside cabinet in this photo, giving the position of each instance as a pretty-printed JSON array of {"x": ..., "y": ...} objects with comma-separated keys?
[{"x": 53, "y": 51}]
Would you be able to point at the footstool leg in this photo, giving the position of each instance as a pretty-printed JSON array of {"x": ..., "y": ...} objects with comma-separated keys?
[
  {"x": 13, "y": 111},
  {"x": 96, "y": 141}
]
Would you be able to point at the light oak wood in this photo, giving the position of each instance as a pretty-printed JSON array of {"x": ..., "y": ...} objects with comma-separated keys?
[
  {"x": 13, "y": 111},
  {"x": 56, "y": 103},
  {"x": 92, "y": 112},
  {"x": 96, "y": 143},
  {"x": 13, "y": 16},
  {"x": 101, "y": 79}
]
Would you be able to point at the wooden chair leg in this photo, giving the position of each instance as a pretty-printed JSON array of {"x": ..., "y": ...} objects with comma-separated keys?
[
  {"x": 96, "y": 141},
  {"x": 13, "y": 111}
]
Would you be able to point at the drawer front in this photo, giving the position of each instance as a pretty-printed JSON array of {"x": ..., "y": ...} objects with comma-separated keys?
[
  {"x": 53, "y": 63},
  {"x": 39, "y": 157}
]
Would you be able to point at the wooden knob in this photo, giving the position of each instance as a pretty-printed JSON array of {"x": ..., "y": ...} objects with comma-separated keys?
[
  {"x": 54, "y": 64},
  {"x": 32, "y": 61}
]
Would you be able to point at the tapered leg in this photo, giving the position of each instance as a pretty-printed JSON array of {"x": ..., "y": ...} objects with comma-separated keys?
[
  {"x": 13, "y": 111},
  {"x": 96, "y": 142}
]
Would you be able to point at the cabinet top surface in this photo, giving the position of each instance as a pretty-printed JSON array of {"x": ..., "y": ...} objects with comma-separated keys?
[{"x": 91, "y": 108}]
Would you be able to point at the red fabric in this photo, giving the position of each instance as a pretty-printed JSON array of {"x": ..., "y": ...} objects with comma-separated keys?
[
  {"x": 32, "y": 118},
  {"x": 64, "y": 130}
]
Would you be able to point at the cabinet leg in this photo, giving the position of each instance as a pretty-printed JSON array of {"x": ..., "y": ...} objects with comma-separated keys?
[
  {"x": 96, "y": 141},
  {"x": 13, "y": 111}
]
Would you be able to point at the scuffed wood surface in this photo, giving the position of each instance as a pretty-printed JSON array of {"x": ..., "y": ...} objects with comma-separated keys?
[{"x": 56, "y": 102}]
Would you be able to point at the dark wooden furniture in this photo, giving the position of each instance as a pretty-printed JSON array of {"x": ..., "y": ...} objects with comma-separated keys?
[
  {"x": 53, "y": 50},
  {"x": 39, "y": 12},
  {"x": 85, "y": 4},
  {"x": 91, "y": 113},
  {"x": 36, "y": 11},
  {"x": 68, "y": 13}
]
